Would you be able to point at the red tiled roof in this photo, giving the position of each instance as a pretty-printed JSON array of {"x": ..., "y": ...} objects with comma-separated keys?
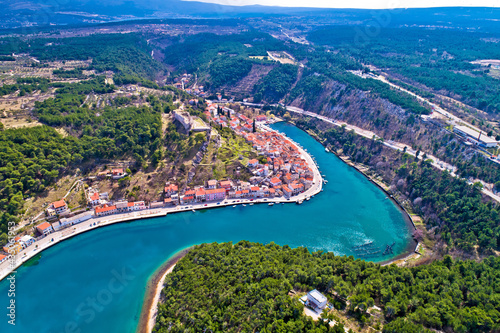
[
  {"x": 95, "y": 196},
  {"x": 225, "y": 183},
  {"x": 104, "y": 209},
  {"x": 43, "y": 226},
  {"x": 275, "y": 180},
  {"x": 171, "y": 187},
  {"x": 59, "y": 204},
  {"x": 216, "y": 190}
]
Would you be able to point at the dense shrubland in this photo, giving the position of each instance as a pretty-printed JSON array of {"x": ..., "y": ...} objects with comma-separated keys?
[
  {"x": 194, "y": 54},
  {"x": 121, "y": 53},
  {"x": 276, "y": 84},
  {"x": 435, "y": 58},
  {"x": 245, "y": 288}
]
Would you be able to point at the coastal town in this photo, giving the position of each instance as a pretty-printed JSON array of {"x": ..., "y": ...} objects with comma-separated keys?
[{"x": 282, "y": 173}]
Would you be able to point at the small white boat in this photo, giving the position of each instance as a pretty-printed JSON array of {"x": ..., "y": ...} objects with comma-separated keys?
[
  {"x": 326, "y": 149},
  {"x": 251, "y": 204},
  {"x": 193, "y": 210},
  {"x": 271, "y": 204},
  {"x": 244, "y": 205},
  {"x": 234, "y": 206},
  {"x": 307, "y": 199}
]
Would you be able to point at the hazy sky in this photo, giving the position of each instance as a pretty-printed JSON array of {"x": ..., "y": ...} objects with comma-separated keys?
[{"x": 360, "y": 3}]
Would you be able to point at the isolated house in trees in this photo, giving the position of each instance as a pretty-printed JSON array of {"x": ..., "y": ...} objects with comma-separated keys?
[{"x": 315, "y": 299}]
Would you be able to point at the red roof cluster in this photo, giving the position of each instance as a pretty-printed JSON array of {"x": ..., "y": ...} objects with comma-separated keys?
[{"x": 106, "y": 208}]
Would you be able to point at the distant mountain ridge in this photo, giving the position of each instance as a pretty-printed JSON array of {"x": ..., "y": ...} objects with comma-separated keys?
[{"x": 64, "y": 12}]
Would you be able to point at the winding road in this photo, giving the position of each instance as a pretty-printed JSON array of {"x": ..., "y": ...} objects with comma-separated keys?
[{"x": 441, "y": 165}]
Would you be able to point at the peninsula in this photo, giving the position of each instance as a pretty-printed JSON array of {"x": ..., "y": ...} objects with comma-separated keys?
[{"x": 283, "y": 180}]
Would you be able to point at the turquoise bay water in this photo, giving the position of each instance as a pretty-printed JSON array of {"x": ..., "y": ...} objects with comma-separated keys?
[{"x": 95, "y": 282}]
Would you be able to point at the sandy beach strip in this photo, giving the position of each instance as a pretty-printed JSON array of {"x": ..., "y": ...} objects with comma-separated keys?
[{"x": 154, "y": 287}]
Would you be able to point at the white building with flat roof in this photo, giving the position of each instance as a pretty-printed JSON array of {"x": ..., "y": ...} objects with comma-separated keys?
[
  {"x": 77, "y": 219},
  {"x": 315, "y": 299},
  {"x": 475, "y": 137}
]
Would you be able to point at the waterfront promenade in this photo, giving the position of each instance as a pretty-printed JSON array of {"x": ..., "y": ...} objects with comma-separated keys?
[{"x": 6, "y": 267}]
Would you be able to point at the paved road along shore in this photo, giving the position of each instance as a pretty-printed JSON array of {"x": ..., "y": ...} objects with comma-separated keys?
[{"x": 437, "y": 163}]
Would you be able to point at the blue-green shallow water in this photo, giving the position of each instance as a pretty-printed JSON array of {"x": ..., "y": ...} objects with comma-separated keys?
[{"x": 57, "y": 294}]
